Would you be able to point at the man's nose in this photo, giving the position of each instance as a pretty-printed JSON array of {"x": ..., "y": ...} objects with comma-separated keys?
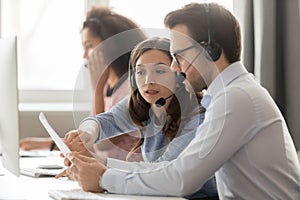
[
  {"x": 85, "y": 54},
  {"x": 175, "y": 67}
]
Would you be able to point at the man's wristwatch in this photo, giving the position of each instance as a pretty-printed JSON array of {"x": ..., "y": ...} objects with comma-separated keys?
[{"x": 100, "y": 185}]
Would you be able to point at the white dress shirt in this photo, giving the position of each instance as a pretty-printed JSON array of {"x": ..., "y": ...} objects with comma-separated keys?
[{"x": 243, "y": 140}]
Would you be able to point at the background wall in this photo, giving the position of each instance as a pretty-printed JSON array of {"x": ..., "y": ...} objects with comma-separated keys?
[
  {"x": 291, "y": 68},
  {"x": 61, "y": 121},
  {"x": 271, "y": 44}
]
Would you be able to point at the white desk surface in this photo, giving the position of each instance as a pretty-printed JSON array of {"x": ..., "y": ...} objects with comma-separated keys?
[{"x": 25, "y": 187}]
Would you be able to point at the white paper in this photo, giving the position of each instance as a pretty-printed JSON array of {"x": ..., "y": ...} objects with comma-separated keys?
[{"x": 58, "y": 141}]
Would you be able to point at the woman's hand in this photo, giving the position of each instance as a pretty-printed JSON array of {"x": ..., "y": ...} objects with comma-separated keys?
[
  {"x": 97, "y": 69},
  {"x": 79, "y": 141},
  {"x": 30, "y": 143}
]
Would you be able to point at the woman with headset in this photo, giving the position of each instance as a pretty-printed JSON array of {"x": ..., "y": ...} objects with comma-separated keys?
[{"x": 159, "y": 107}]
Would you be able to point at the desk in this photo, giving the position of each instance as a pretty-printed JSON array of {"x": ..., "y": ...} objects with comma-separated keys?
[{"x": 24, "y": 187}]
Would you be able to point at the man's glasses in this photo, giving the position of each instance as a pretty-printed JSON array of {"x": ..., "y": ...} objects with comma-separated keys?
[{"x": 178, "y": 52}]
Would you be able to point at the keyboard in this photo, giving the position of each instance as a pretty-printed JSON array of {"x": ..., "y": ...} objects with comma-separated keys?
[
  {"x": 36, "y": 172},
  {"x": 74, "y": 194},
  {"x": 34, "y": 153}
]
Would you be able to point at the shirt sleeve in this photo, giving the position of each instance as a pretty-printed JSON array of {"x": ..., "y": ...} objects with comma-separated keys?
[
  {"x": 114, "y": 122},
  {"x": 124, "y": 165},
  {"x": 91, "y": 127},
  {"x": 210, "y": 149}
]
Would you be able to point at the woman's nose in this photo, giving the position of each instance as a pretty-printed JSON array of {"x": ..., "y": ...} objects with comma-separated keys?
[{"x": 150, "y": 79}]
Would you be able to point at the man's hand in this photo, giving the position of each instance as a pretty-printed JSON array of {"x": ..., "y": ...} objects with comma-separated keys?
[
  {"x": 67, "y": 172},
  {"x": 87, "y": 172}
]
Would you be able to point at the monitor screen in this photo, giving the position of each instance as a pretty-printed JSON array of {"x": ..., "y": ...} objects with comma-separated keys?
[{"x": 9, "y": 114}]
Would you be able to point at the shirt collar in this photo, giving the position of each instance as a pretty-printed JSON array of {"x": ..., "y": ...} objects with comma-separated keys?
[
  {"x": 229, "y": 74},
  {"x": 205, "y": 101}
]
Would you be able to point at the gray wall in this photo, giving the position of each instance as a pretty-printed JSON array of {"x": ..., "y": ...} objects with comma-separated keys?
[
  {"x": 61, "y": 121},
  {"x": 292, "y": 69},
  {"x": 271, "y": 45}
]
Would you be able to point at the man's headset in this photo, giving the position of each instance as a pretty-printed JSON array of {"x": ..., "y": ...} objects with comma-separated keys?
[{"x": 213, "y": 50}]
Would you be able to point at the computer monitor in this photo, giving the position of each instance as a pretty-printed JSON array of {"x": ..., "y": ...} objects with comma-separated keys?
[{"x": 9, "y": 114}]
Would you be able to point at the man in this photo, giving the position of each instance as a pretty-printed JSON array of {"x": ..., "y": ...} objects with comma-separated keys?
[{"x": 243, "y": 140}]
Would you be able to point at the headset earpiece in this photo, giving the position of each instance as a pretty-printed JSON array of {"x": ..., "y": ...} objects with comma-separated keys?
[
  {"x": 213, "y": 51},
  {"x": 132, "y": 80}
]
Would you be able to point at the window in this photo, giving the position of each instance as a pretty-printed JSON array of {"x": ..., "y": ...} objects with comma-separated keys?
[
  {"x": 49, "y": 46},
  {"x": 150, "y": 14},
  {"x": 50, "y": 52}
]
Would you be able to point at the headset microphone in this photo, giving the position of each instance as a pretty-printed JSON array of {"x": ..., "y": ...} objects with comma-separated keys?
[
  {"x": 85, "y": 63},
  {"x": 162, "y": 101},
  {"x": 180, "y": 77}
]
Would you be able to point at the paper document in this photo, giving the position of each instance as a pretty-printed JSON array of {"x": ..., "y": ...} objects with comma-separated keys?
[{"x": 58, "y": 141}]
